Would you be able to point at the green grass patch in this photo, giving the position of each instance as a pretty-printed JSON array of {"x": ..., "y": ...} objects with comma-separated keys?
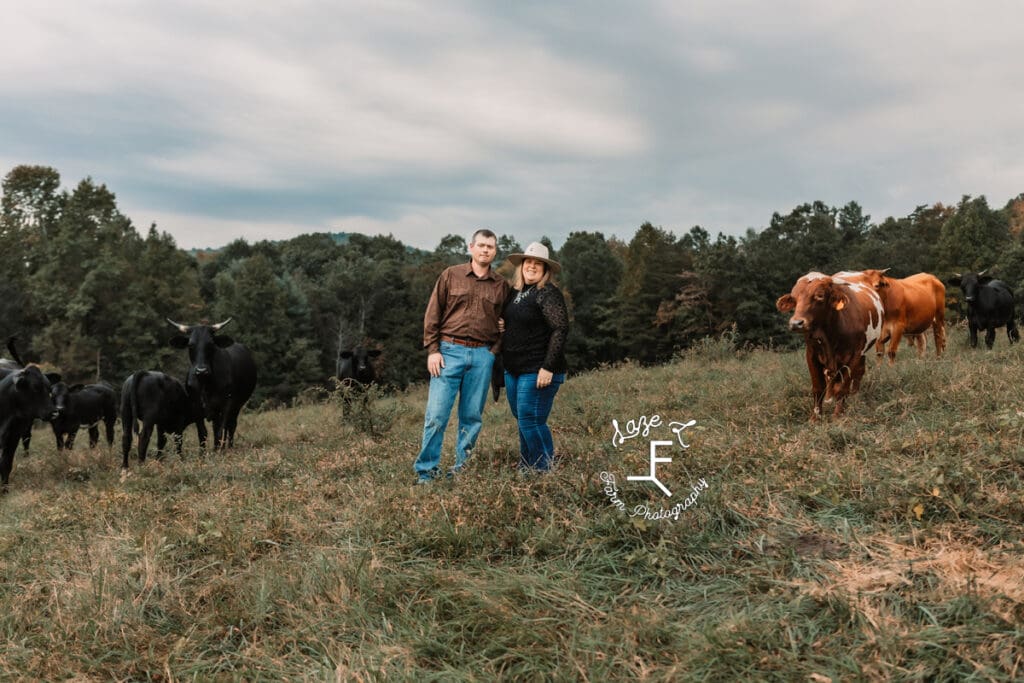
[{"x": 882, "y": 545}]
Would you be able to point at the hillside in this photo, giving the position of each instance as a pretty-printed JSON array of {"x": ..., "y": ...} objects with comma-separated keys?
[{"x": 882, "y": 545}]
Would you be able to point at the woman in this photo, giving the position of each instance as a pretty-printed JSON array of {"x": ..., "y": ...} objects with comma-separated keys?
[{"x": 533, "y": 352}]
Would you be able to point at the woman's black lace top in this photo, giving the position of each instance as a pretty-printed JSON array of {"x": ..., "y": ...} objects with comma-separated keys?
[{"x": 536, "y": 326}]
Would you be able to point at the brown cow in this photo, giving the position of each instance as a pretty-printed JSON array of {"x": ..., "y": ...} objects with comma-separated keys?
[
  {"x": 840, "y": 320},
  {"x": 912, "y": 305}
]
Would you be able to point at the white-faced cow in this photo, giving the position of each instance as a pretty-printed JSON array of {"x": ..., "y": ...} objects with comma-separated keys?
[
  {"x": 24, "y": 397},
  {"x": 989, "y": 305},
  {"x": 82, "y": 405},
  {"x": 912, "y": 306},
  {"x": 157, "y": 401},
  {"x": 840, "y": 321},
  {"x": 222, "y": 373}
]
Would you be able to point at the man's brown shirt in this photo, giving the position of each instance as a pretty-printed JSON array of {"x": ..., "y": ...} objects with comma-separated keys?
[{"x": 464, "y": 306}]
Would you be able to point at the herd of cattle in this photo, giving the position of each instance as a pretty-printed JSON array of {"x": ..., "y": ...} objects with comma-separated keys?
[
  {"x": 220, "y": 379},
  {"x": 843, "y": 315}
]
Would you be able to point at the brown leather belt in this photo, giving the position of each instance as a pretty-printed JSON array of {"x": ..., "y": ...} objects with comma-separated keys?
[{"x": 471, "y": 343}]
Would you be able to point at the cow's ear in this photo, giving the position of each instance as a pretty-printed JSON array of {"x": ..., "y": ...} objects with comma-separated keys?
[
  {"x": 985, "y": 279},
  {"x": 76, "y": 387},
  {"x": 346, "y": 354},
  {"x": 838, "y": 301},
  {"x": 223, "y": 341},
  {"x": 373, "y": 353},
  {"x": 178, "y": 341},
  {"x": 53, "y": 377},
  {"x": 786, "y": 303}
]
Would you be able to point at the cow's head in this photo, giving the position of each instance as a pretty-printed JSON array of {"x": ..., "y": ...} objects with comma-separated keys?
[
  {"x": 970, "y": 283},
  {"x": 876, "y": 279},
  {"x": 202, "y": 342},
  {"x": 32, "y": 388},
  {"x": 359, "y": 359},
  {"x": 814, "y": 298},
  {"x": 60, "y": 394}
]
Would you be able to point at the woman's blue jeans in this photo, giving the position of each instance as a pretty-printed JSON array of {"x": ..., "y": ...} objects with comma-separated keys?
[
  {"x": 467, "y": 374},
  {"x": 531, "y": 407}
]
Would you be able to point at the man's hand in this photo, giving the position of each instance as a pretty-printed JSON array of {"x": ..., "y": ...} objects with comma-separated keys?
[{"x": 434, "y": 364}]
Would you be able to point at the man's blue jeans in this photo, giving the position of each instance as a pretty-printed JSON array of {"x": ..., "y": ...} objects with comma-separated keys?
[
  {"x": 531, "y": 407},
  {"x": 466, "y": 373}
]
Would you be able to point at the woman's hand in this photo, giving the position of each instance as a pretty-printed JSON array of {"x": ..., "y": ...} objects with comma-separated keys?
[{"x": 544, "y": 378}]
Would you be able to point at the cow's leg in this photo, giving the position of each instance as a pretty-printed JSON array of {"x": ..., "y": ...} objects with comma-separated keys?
[
  {"x": 201, "y": 433},
  {"x": 973, "y": 334},
  {"x": 817, "y": 382},
  {"x": 6, "y": 465},
  {"x": 1011, "y": 331},
  {"x": 26, "y": 438},
  {"x": 880, "y": 344},
  {"x": 144, "y": 435},
  {"x": 69, "y": 442},
  {"x": 920, "y": 343},
  {"x": 59, "y": 438},
  {"x": 894, "y": 344},
  {"x": 126, "y": 444},
  {"x": 9, "y": 444},
  {"x": 94, "y": 435},
  {"x": 177, "y": 438},
  {"x": 161, "y": 442},
  {"x": 217, "y": 420},
  {"x": 939, "y": 330},
  {"x": 990, "y": 337},
  {"x": 109, "y": 424},
  {"x": 230, "y": 424}
]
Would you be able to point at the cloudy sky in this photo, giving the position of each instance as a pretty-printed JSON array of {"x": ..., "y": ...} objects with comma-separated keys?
[{"x": 422, "y": 118}]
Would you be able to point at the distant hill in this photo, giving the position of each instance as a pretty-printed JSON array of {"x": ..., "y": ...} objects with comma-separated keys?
[{"x": 338, "y": 237}]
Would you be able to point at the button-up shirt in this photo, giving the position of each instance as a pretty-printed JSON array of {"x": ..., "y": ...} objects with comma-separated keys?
[{"x": 464, "y": 306}]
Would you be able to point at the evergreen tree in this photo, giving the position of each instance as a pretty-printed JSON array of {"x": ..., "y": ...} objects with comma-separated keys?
[
  {"x": 591, "y": 273},
  {"x": 651, "y": 274},
  {"x": 974, "y": 237}
]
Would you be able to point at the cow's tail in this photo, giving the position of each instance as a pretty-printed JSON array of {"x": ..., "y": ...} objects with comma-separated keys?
[
  {"x": 14, "y": 351},
  {"x": 130, "y": 404}
]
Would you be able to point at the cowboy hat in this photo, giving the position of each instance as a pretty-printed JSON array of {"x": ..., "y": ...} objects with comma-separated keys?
[{"x": 537, "y": 251}]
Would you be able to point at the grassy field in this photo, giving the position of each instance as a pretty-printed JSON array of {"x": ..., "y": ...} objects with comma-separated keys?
[{"x": 884, "y": 545}]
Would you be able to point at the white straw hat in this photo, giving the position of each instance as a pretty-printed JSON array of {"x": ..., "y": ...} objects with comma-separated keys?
[{"x": 537, "y": 251}]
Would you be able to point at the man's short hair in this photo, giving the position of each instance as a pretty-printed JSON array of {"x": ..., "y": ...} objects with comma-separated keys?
[{"x": 483, "y": 232}]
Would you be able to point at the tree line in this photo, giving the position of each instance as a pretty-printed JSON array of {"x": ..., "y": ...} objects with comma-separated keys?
[{"x": 86, "y": 293}]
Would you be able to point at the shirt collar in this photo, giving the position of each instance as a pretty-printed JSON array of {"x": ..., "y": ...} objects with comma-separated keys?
[{"x": 469, "y": 272}]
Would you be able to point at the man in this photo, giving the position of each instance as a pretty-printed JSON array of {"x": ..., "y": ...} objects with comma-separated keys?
[{"x": 459, "y": 329}]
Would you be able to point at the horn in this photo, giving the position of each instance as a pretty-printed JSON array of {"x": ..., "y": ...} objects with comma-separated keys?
[
  {"x": 216, "y": 328},
  {"x": 957, "y": 275},
  {"x": 982, "y": 272},
  {"x": 181, "y": 328}
]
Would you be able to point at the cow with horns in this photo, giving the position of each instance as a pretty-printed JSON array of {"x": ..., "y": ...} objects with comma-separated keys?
[
  {"x": 222, "y": 373},
  {"x": 912, "y": 306},
  {"x": 990, "y": 304},
  {"x": 840, "y": 320}
]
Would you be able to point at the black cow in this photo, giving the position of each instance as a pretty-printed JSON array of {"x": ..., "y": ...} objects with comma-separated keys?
[
  {"x": 7, "y": 367},
  {"x": 989, "y": 305},
  {"x": 356, "y": 366},
  {"x": 222, "y": 374},
  {"x": 24, "y": 397},
  {"x": 161, "y": 401},
  {"x": 80, "y": 405}
]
